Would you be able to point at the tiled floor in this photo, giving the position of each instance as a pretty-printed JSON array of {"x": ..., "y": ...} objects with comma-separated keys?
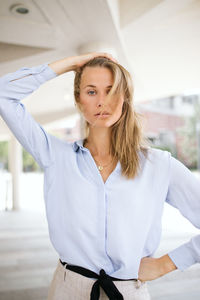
[{"x": 28, "y": 260}]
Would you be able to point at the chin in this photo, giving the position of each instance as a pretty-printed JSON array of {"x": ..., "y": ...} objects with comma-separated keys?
[{"x": 101, "y": 126}]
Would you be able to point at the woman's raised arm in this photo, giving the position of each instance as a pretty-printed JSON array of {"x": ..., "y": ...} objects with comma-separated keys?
[
  {"x": 13, "y": 88},
  {"x": 20, "y": 84}
]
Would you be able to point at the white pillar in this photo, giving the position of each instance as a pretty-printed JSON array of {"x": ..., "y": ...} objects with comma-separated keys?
[{"x": 15, "y": 167}]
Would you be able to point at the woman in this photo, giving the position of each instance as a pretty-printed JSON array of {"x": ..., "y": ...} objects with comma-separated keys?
[{"x": 105, "y": 193}]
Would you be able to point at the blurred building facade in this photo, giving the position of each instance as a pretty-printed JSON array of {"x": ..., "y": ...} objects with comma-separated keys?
[{"x": 166, "y": 120}]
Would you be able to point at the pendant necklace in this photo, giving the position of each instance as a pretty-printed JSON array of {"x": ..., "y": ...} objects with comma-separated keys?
[{"x": 100, "y": 167}]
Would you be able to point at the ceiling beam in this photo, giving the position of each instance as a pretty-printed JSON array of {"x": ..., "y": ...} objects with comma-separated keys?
[
  {"x": 27, "y": 33},
  {"x": 130, "y": 10}
]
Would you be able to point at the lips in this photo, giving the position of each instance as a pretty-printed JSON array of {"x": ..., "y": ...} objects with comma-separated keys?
[{"x": 103, "y": 113}]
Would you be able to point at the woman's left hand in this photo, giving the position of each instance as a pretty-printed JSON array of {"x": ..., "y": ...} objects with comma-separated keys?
[
  {"x": 152, "y": 268},
  {"x": 149, "y": 269}
]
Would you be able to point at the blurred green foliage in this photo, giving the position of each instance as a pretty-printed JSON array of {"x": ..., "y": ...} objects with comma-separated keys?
[
  {"x": 4, "y": 155},
  {"x": 29, "y": 164}
]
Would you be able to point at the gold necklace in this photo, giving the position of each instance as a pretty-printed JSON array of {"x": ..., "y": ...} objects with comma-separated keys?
[{"x": 100, "y": 167}]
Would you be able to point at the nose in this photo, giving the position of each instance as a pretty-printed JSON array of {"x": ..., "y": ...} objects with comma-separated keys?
[{"x": 101, "y": 99}]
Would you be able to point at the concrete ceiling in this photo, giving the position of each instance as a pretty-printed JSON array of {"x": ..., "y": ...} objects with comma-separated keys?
[
  {"x": 59, "y": 24},
  {"x": 156, "y": 40},
  {"x": 10, "y": 52}
]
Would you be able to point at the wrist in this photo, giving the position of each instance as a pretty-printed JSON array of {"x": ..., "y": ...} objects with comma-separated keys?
[
  {"x": 166, "y": 264},
  {"x": 62, "y": 66}
]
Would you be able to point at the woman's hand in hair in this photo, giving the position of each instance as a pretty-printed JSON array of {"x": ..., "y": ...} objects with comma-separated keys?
[
  {"x": 80, "y": 60},
  {"x": 73, "y": 63}
]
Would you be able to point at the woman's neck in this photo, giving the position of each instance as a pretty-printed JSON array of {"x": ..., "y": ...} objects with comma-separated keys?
[{"x": 98, "y": 144}]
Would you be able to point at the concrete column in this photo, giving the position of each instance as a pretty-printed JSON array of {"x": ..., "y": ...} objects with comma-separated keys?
[{"x": 15, "y": 167}]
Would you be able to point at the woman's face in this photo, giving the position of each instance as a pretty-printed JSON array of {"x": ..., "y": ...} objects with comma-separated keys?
[{"x": 95, "y": 84}]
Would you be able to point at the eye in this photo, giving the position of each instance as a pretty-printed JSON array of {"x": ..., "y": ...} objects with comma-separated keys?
[{"x": 90, "y": 91}]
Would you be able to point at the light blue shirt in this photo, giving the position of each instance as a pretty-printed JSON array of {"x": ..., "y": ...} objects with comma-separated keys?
[{"x": 93, "y": 224}]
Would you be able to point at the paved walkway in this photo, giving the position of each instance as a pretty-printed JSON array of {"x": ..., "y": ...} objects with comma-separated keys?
[{"x": 28, "y": 260}]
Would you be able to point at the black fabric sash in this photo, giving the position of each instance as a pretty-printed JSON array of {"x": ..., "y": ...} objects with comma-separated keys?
[{"x": 103, "y": 280}]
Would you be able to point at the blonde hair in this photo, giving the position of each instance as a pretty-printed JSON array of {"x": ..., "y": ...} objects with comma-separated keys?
[{"x": 127, "y": 137}]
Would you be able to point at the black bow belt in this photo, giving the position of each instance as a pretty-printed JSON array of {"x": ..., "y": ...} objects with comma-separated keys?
[{"x": 103, "y": 280}]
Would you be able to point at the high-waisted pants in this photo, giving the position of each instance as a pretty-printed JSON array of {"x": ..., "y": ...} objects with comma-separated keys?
[{"x": 69, "y": 285}]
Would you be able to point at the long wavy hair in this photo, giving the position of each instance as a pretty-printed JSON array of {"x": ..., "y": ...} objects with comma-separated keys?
[{"x": 127, "y": 138}]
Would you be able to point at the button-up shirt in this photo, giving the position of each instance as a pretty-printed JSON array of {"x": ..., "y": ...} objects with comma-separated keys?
[{"x": 93, "y": 224}]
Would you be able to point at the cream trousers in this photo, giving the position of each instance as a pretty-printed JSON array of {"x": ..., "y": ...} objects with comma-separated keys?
[{"x": 68, "y": 285}]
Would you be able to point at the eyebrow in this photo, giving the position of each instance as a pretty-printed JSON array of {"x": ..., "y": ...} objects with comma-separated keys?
[{"x": 91, "y": 85}]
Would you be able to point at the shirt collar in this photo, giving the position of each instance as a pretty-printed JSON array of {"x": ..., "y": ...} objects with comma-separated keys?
[{"x": 78, "y": 144}]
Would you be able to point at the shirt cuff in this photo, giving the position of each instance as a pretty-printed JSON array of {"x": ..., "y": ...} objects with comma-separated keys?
[
  {"x": 183, "y": 256},
  {"x": 43, "y": 73}
]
